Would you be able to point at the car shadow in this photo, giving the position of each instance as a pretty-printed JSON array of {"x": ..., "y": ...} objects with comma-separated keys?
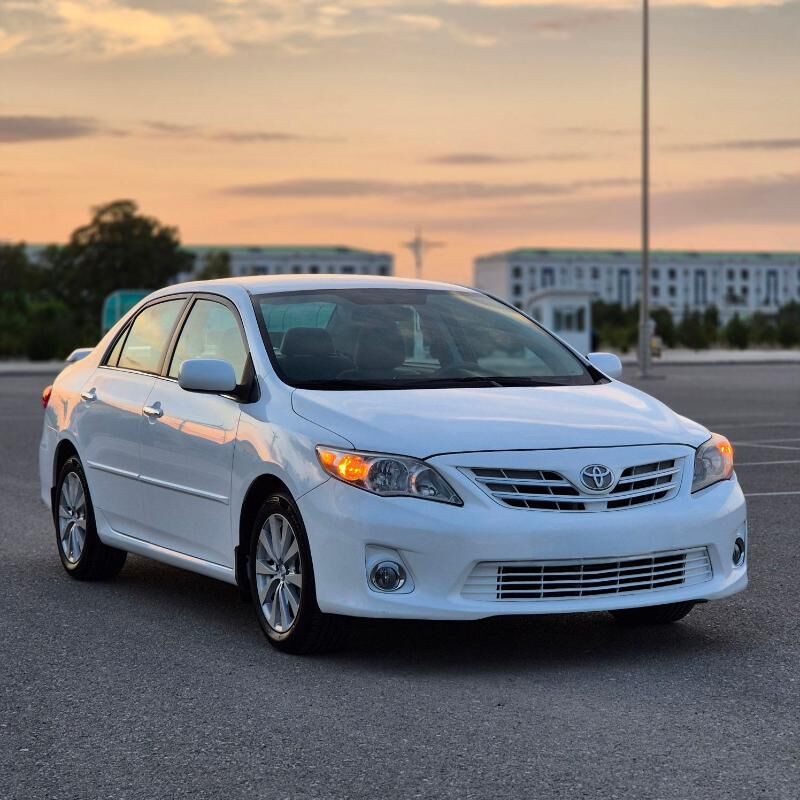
[{"x": 194, "y": 605}]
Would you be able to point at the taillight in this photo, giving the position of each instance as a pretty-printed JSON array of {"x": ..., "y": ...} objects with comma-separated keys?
[{"x": 48, "y": 390}]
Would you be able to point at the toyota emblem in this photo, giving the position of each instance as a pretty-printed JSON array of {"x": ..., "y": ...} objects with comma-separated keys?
[{"x": 597, "y": 477}]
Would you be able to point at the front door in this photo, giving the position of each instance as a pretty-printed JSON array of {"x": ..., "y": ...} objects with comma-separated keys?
[{"x": 188, "y": 441}]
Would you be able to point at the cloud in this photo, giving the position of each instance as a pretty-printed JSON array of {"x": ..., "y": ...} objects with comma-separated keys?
[
  {"x": 474, "y": 159},
  {"x": 119, "y": 29},
  {"x": 430, "y": 191},
  {"x": 778, "y": 144},
  {"x": 162, "y": 128},
  {"x": 468, "y": 159},
  {"x": 29, "y": 128}
]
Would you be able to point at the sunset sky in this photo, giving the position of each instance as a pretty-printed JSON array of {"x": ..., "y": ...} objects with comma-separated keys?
[{"x": 490, "y": 123}]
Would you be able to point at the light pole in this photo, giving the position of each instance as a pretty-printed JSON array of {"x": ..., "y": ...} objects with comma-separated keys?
[
  {"x": 418, "y": 247},
  {"x": 644, "y": 283}
]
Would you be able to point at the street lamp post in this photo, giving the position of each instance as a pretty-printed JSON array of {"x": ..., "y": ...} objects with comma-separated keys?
[{"x": 644, "y": 283}]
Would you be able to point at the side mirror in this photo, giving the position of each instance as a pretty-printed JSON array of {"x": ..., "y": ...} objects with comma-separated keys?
[
  {"x": 607, "y": 363},
  {"x": 210, "y": 375},
  {"x": 78, "y": 354}
]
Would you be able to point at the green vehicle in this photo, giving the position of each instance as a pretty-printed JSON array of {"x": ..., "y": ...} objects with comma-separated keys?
[{"x": 118, "y": 304}]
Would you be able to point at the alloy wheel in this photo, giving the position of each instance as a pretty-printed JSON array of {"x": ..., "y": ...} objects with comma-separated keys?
[
  {"x": 72, "y": 518},
  {"x": 279, "y": 579}
]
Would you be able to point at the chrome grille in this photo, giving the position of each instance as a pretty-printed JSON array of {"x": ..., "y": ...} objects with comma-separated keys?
[
  {"x": 588, "y": 577},
  {"x": 547, "y": 490}
]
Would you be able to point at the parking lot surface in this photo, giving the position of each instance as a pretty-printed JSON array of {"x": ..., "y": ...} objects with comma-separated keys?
[{"x": 160, "y": 684}]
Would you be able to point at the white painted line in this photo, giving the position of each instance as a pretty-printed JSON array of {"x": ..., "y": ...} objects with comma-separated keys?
[
  {"x": 767, "y": 441},
  {"x": 764, "y": 463},
  {"x": 766, "y": 446},
  {"x": 755, "y": 425},
  {"x": 768, "y": 494}
]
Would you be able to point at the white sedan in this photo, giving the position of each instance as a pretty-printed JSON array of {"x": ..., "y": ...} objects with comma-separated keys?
[{"x": 375, "y": 447}]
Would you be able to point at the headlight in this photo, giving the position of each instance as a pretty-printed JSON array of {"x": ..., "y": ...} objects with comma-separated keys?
[
  {"x": 713, "y": 462},
  {"x": 390, "y": 476}
]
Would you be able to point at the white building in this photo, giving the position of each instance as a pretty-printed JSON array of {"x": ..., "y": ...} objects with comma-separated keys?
[
  {"x": 302, "y": 260},
  {"x": 567, "y": 313},
  {"x": 733, "y": 282}
]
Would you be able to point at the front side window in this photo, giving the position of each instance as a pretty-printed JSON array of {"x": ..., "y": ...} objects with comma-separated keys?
[
  {"x": 409, "y": 338},
  {"x": 211, "y": 331},
  {"x": 149, "y": 336}
]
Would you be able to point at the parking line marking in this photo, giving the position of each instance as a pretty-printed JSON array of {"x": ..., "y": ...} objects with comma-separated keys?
[
  {"x": 767, "y": 446},
  {"x": 765, "y": 463},
  {"x": 769, "y": 494},
  {"x": 757, "y": 424}
]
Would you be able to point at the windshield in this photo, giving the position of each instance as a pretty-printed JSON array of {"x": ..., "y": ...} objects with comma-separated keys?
[{"x": 381, "y": 338}]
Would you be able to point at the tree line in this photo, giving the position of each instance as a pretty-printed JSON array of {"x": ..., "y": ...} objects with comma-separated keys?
[
  {"x": 618, "y": 328},
  {"x": 51, "y": 304}
]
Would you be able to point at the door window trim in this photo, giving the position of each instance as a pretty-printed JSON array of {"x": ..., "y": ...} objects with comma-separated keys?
[
  {"x": 129, "y": 325},
  {"x": 247, "y": 391},
  {"x": 178, "y": 331}
]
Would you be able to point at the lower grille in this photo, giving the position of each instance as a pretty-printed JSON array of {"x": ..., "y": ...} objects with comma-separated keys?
[{"x": 588, "y": 577}]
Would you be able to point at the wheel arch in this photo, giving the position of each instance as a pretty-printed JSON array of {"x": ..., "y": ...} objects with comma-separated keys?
[
  {"x": 259, "y": 488},
  {"x": 65, "y": 449}
]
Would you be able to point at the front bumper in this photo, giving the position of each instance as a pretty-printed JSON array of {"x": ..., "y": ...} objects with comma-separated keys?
[{"x": 440, "y": 545}]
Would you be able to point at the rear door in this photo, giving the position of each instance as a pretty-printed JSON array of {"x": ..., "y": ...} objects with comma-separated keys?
[
  {"x": 108, "y": 422},
  {"x": 188, "y": 443}
]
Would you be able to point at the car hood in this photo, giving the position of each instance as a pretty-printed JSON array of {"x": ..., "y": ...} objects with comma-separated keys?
[{"x": 426, "y": 422}]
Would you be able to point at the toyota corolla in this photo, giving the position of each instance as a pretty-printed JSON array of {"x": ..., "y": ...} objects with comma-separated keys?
[{"x": 373, "y": 447}]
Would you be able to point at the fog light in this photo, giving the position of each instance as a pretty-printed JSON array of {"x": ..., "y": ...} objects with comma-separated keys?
[
  {"x": 738, "y": 552},
  {"x": 387, "y": 576}
]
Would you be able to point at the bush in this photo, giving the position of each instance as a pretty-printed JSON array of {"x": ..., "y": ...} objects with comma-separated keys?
[{"x": 737, "y": 333}]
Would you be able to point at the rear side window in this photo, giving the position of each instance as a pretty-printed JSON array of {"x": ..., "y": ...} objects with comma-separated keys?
[
  {"x": 211, "y": 331},
  {"x": 149, "y": 336}
]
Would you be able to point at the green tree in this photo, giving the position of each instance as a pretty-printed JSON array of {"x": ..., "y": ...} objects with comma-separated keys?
[
  {"x": 692, "y": 331},
  {"x": 216, "y": 264},
  {"x": 119, "y": 249},
  {"x": 737, "y": 333},
  {"x": 711, "y": 323},
  {"x": 788, "y": 323},
  {"x": 763, "y": 329},
  {"x": 665, "y": 326}
]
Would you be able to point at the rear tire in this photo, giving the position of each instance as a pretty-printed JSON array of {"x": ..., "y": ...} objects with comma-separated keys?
[
  {"x": 653, "y": 615},
  {"x": 282, "y": 586},
  {"x": 83, "y": 555}
]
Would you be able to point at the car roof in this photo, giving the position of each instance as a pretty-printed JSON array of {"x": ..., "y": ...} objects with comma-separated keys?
[{"x": 265, "y": 284}]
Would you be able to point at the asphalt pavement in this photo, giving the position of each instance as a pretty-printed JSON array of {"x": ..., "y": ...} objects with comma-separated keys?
[{"x": 160, "y": 684}]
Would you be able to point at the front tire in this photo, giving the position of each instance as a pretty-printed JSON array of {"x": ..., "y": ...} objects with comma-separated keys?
[
  {"x": 282, "y": 585},
  {"x": 653, "y": 615},
  {"x": 82, "y": 554}
]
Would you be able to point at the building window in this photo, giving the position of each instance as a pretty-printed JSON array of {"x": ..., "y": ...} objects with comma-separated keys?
[
  {"x": 516, "y": 272},
  {"x": 654, "y": 274},
  {"x": 347, "y": 270},
  {"x": 672, "y": 274},
  {"x": 383, "y": 269},
  {"x": 672, "y": 291},
  {"x": 516, "y": 290},
  {"x": 548, "y": 277},
  {"x": 579, "y": 273},
  {"x": 595, "y": 274},
  {"x": 731, "y": 274},
  {"x": 296, "y": 269},
  {"x": 700, "y": 288},
  {"x": 745, "y": 275},
  {"x": 313, "y": 269},
  {"x": 655, "y": 291}
]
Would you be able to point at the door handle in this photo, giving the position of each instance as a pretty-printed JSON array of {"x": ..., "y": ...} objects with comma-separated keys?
[
  {"x": 89, "y": 395},
  {"x": 154, "y": 411}
]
